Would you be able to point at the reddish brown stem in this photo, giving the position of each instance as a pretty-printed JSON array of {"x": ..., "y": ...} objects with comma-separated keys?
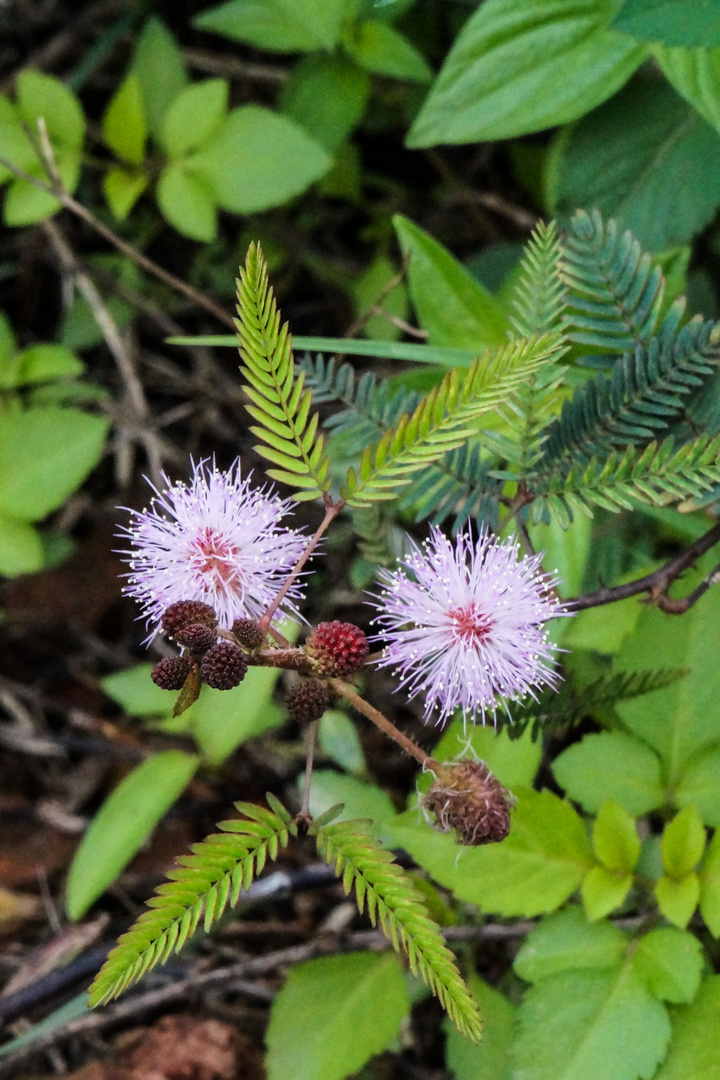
[{"x": 344, "y": 690}]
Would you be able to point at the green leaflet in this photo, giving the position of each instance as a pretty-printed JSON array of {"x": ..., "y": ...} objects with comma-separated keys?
[
  {"x": 279, "y": 402},
  {"x": 693, "y": 1050},
  {"x": 441, "y": 422},
  {"x": 206, "y": 882},
  {"x": 392, "y": 899}
]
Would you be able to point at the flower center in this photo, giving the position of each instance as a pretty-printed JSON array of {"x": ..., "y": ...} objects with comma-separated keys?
[
  {"x": 470, "y": 624},
  {"x": 214, "y": 556}
]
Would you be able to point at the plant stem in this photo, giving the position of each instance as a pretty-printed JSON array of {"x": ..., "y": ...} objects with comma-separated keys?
[
  {"x": 312, "y": 730},
  {"x": 362, "y": 706}
]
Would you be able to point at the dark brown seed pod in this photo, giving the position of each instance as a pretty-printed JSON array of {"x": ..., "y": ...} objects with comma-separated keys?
[
  {"x": 223, "y": 666},
  {"x": 197, "y": 637},
  {"x": 184, "y": 613},
  {"x": 337, "y": 648},
  {"x": 248, "y": 633},
  {"x": 307, "y": 701},
  {"x": 171, "y": 672},
  {"x": 467, "y": 797}
]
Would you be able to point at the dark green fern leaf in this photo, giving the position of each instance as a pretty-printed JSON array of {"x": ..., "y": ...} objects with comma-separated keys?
[
  {"x": 279, "y": 401},
  {"x": 201, "y": 888},
  {"x": 658, "y": 475},
  {"x": 539, "y": 296},
  {"x": 644, "y": 392},
  {"x": 558, "y": 711},
  {"x": 615, "y": 290},
  {"x": 443, "y": 420},
  {"x": 391, "y": 898},
  {"x": 459, "y": 486}
]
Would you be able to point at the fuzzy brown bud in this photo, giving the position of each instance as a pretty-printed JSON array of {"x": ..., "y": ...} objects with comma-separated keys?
[
  {"x": 307, "y": 701},
  {"x": 467, "y": 797},
  {"x": 198, "y": 637},
  {"x": 223, "y": 666},
  {"x": 171, "y": 672},
  {"x": 184, "y": 613},
  {"x": 248, "y": 633},
  {"x": 337, "y": 648}
]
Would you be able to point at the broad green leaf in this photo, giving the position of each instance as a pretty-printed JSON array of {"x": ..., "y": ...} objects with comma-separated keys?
[
  {"x": 677, "y": 898},
  {"x": 158, "y": 64},
  {"x": 26, "y": 205},
  {"x": 710, "y": 886},
  {"x": 566, "y": 555},
  {"x": 590, "y": 1025},
  {"x": 122, "y": 189},
  {"x": 333, "y": 1014},
  {"x": 610, "y": 160},
  {"x": 615, "y": 838},
  {"x": 566, "y": 941},
  {"x": 634, "y": 779},
  {"x": 258, "y": 159},
  {"x": 695, "y": 74},
  {"x": 21, "y": 550},
  {"x": 360, "y": 799},
  {"x": 382, "y": 50},
  {"x": 277, "y": 25},
  {"x": 8, "y": 348},
  {"x": 136, "y": 693},
  {"x": 670, "y": 962},
  {"x": 602, "y": 629},
  {"x": 194, "y": 116},
  {"x": 326, "y": 95},
  {"x": 124, "y": 125},
  {"x": 683, "y": 842},
  {"x": 693, "y": 1051},
  {"x": 43, "y": 363},
  {"x": 534, "y": 870},
  {"x": 513, "y": 761},
  {"x": 680, "y": 719},
  {"x": 221, "y": 720},
  {"x": 451, "y": 305},
  {"x": 603, "y": 891},
  {"x": 699, "y": 785},
  {"x": 123, "y": 824},
  {"x": 674, "y": 22},
  {"x": 523, "y": 65},
  {"x": 187, "y": 201},
  {"x": 45, "y": 454},
  {"x": 338, "y": 737},
  {"x": 490, "y": 1058},
  {"x": 40, "y": 95}
]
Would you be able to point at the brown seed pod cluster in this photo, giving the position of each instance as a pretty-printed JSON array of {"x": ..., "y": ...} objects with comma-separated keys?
[
  {"x": 467, "y": 797},
  {"x": 307, "y": 701}
]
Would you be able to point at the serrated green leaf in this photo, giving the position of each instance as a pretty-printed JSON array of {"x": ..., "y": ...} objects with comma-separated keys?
[
  {"x": 566, "y": 941},
  {"x": 187, "y": 201},
  {"x": 277, "y": 25},
  {"x": 678, "y": 897},
  {"x": 124, "y": 125},
  {"x": 123, "y": 824},
  {"x": 590, "y": 1025},
  {"x": 615, "y": 838},
  {"x": 451, "y": 305},
  {"x": 333, "y": 1014},
  {"x": 513, "y": 761},
  {"x": 670, "y": 962},
  {"x": 710, "y": 886},
  {"x": 522, "y": 65},
  {"x": 603, "y": 891},
  {"x": 683, "y": 842},
  {"x": 699, "y": 785},
  {"x": 634, "y": 780},
  {"x": 693, "y": 1051},
  {"x": 194, "y": 116}
]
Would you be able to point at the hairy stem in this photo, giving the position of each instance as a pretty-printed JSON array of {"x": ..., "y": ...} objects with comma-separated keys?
[{"x": 362, "y": 706}]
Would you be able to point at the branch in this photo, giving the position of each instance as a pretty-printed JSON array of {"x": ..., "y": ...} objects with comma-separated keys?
[{"x": 657, "y": 583}]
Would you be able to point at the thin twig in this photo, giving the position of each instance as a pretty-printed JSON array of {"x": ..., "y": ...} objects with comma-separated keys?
[
  {"x": 311, "y": 737},
  {"x": 356, "y": 326},
  {"x": 232, "y": 67},
  {"x": 381, "y": 721},
  {"x": 658, "y": 582}
]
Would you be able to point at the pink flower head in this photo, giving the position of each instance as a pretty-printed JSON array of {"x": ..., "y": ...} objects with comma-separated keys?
[
  {"x": 465, "y": 622},
  {"x": 216, "y": 539}
]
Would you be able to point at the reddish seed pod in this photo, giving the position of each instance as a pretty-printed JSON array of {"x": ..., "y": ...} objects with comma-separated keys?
[
  {"x": 184, "y": 613},
  {"x": 337, "y": 648},
  {"x": 248, "y": 633},
  {"x": 307, "y": 701},
  {"x": 171, "y": 672},
  {"x": 198, "y": 638},
  {"x": 223, "y": 666}
]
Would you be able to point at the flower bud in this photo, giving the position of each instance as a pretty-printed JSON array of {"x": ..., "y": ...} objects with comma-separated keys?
[
  {"x": 467, "y": 797},
  {"x": 337, "y": 648},
  {"x": 307, "y": 701},
  {"x": 248, "y": 633},
  {"x": 223, "y": 666},
  {"x": 171, "y": 672},
  {"x": 184, "y": 613}
]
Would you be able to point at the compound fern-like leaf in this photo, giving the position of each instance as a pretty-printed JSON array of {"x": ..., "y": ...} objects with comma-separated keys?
[
  {"x": 391, "y": 898},
  {"x": 443, "y": 420},
  {"x": 279, "y": 400},
  {"x": 201, "y": 888}
]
